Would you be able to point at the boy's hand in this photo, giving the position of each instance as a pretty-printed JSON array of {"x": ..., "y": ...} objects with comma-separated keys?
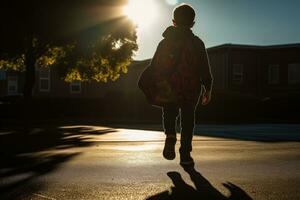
[{"x": 206, "y": 97}]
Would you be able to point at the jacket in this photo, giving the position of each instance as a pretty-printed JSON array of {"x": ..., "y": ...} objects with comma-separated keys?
[{"x": 193, "y": 68}]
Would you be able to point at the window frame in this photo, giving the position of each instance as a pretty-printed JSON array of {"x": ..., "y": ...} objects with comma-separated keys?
[
  {"x": 289, "y": 73},
  {"x": 75, "y": 83},
  {"x": 241, "y": 74},
  {"x": 272, "y": 80},
  {"x": 44, "y": 79},
  {"x": 16, "y": 84},
  {"x": 3, "y": 75}
]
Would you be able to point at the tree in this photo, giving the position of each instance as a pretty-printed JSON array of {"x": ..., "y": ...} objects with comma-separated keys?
[{"x": 85, "y": 39}]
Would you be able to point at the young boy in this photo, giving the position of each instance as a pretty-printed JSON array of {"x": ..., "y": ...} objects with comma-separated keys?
[{"x": 183, "y": 21}]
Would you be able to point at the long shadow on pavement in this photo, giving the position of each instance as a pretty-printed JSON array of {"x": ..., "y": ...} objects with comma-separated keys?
[
  {"x": 27, "y": 155},
  {"x": 203, "y": 189}
]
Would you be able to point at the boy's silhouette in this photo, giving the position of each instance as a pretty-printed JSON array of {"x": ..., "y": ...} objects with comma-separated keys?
[{"x": 192, "y": 74}]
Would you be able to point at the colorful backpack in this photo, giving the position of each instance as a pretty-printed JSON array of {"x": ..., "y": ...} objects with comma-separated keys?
[{"x": 172, "y": 77}]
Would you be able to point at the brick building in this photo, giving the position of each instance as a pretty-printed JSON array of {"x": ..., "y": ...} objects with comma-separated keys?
[
  {"x": 256, "y": 70},
  {"x": 242, "y": 69}
]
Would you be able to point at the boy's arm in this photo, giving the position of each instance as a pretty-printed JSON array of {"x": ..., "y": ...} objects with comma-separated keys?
[{"x": 205, "y": 73}]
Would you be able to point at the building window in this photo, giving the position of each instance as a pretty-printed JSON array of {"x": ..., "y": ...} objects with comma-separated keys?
[
  {"x": 2, "y": 75},
  {"x": 75, "y": 87},
  {"x": 12, "y": 85},
  {"x": 238, "y": 73},
  {"x": 44, "y": 79},
  {"x": 273, "y": 74},
  {"x": 294, "y": 73}
]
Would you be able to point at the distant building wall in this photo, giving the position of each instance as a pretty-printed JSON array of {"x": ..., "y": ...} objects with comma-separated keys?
[
  {"x": 286, "y": 61},
  {"x": 11, "y": 83},
  {"x": 256, "y": 70},
  {"x": 242, "y": 69},
  {"x": 219, "y": 62}
]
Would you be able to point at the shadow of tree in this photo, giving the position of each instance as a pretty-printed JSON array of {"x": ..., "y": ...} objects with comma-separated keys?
[
  {"x": 26, "y": 156},
  {"x": 203, "y": 189}
]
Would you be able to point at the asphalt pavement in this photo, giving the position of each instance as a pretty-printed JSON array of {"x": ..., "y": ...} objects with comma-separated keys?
[{"x": 125, "y": 162}]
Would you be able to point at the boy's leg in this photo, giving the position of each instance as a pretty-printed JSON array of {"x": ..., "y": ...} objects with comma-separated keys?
[
  {"x": 187, "y": 115},
  {"x": 169, "y": 115},
  {"x": 169, "y": 123}
]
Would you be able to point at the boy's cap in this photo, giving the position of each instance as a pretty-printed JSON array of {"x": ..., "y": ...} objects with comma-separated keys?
[{"x": 184, "y": 15}]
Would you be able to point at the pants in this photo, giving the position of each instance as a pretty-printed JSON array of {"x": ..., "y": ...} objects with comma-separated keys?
[{"x": 187, "y": 123}]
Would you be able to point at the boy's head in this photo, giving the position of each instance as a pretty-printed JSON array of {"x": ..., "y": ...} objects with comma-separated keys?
[{"x": 184, "y": 16}]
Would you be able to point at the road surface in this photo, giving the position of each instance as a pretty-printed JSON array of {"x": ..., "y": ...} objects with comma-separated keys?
[{"x": 96, "y": 162}]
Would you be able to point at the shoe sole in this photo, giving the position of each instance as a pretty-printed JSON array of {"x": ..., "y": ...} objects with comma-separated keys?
[
  {"x": 169, "y": 155},
  {"x": 169, "y": 150}
]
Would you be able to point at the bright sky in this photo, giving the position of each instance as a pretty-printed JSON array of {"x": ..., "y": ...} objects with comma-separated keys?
[{"x": 260, "y": 22}]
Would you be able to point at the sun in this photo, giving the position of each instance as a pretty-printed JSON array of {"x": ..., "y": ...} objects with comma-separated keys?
[{"x": 142, "y": 12}]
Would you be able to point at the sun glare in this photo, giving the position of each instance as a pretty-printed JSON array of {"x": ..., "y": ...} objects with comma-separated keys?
[{"x": 142, "y": 12}]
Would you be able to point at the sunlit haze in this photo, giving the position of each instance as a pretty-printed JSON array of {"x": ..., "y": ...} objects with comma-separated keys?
[{"x": 143, "y": 13}]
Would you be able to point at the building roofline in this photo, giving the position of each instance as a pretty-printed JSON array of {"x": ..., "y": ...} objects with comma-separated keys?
[
  {"x": 230, "y": 45},
  {"x": 245, "y": 46}
]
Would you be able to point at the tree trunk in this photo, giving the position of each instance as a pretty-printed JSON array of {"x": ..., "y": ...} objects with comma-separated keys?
[
  {"x": 28, "y": 109},
  {"x": 29, "y": 76}
]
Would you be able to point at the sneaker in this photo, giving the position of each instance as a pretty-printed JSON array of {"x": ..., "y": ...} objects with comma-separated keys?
[
  {"x": 169, "y": 149},
  {"x": 186, "y": 159}
]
